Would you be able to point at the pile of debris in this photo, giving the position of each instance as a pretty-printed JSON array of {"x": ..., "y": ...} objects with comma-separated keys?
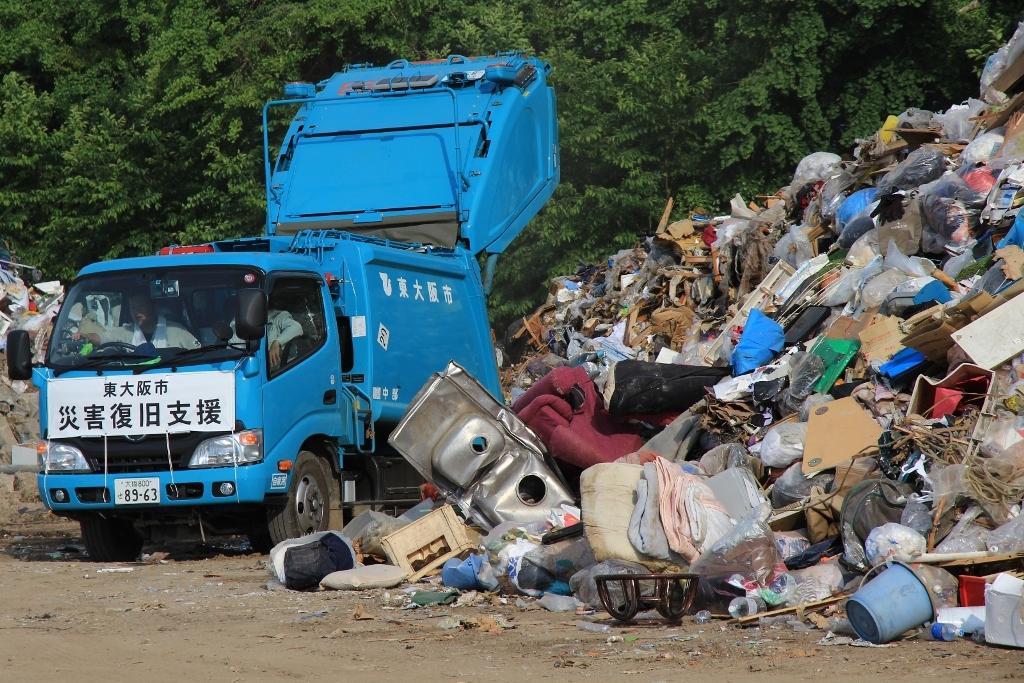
[
  {"x": 29, "y": 306},
  {"x": 809, "y": 404}
]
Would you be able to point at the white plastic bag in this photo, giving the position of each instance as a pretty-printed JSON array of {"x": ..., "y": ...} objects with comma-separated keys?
[
  {"x": 893, "y": 542},
  {"x": 794, "y": 248},
  {"x": 815, "y": 166},
  {"x": 878, "y": 288},
  {"x": 982, "y": 148},
  {"x": 955, "y": 122},
  {"x": 784, "y": 444}
]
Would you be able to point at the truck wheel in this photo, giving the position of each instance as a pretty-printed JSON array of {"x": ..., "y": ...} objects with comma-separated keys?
[
  {"x": 308, "y": 508},
  {"x": 110, "y": 540}
]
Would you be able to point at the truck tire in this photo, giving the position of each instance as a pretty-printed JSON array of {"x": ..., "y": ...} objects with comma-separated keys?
[
  {"x": 308, "y": 507},
  {"x": 110, "y": 540}
]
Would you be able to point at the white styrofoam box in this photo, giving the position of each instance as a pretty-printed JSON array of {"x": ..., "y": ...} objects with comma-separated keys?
[{"x": 1004, "y": 623}]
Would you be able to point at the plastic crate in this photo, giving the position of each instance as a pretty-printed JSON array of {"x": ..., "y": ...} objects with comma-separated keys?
[{"x": 428, "y": 542}]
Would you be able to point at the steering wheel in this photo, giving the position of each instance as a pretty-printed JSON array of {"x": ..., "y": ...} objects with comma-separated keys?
[{"x": 115, "y": 344}]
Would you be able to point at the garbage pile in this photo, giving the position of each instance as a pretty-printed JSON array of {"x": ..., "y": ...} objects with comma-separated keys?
[
  {"x": 31, "y": 307},
  {"x": 799, "y": 410}
]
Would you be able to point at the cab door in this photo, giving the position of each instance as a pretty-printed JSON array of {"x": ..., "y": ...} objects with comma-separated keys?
[{"x": 300, "y": 396}]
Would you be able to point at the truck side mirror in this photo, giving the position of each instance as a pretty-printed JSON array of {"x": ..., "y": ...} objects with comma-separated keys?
[
  {"x": 19, "y": 355},
  {"x": 251, "y": 315}
]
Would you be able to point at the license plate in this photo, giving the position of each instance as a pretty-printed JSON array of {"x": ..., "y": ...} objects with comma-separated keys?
[{"x": 143, "y": 491}]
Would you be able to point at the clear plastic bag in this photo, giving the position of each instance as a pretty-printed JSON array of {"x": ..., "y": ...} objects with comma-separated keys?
[
  {"x": 878, "y": 288},
  {"x": 584, "y": 587},
  {"x": 815, "y": 166},
  {"x": 840, "y": 291},
  {"x": 793, "y": 486},
  {"x": 948, "y": 483},
  {"x": 966, "y": 536},
  {"x": 946, "y": 222},
  {"x": 997, "y": 63},
  {"x": 805, "y": 369},
  {"x": 791, "y": 543},
  {"x": 784, "y": 444},
  {"x": 911, "y": 265},
  {"x": 917, "y": 516},
  {"x": 749, "y": 551},
  {"x": 956, "y": 121},
  {"x": 953, "y": 266},
  {"x": 864, "y": 249},
  {"x": 833, "y": 193},
  {"x": 794, "y": 248},
  {"x": 726, "y": 456},
  {"x": 921, "y": 166},
  {"x": 1000, "y": 435},
  {"x": 812, "y": 402},
  {"x": 982, "y": 148},
  {"x": 914, "y": 118},
  {"x": 1009, "y": 538}
]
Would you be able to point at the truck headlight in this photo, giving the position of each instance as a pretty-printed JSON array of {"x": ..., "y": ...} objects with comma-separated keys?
[
  {"x": 243, "y": 448},
  {"x": 61, "y": 457}
]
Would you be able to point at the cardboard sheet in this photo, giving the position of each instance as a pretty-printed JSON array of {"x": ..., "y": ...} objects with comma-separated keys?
[
  {"x": 881, "y": 339},
  {"x": 838, "y": 431}
]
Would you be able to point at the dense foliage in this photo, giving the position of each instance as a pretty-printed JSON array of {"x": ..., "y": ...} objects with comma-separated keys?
[{"x": 127, "y": 126}]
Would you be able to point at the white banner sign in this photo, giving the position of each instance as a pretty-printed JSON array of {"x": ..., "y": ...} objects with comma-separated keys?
[{"x": 125, "y": 405}]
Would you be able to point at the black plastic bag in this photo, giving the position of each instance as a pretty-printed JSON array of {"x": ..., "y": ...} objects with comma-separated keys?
[
  {"x": 306, "y": 565},
  {"x": 641, "y": 388}
]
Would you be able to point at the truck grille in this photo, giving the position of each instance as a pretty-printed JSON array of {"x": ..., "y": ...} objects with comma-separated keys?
[{"x": 148, "y": 454}]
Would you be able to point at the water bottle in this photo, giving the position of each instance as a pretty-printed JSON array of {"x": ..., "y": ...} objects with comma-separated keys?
[
  {"x": 744, "y": 607},
  {"x": 702, "y": 617},
  {"x": 592, "y": 627},
  {"x": 947, "y": 632},
  {"x": 979, "y": 636}
]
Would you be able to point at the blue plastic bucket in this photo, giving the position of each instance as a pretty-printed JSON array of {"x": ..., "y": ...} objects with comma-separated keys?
[{"x": 889, "y": 605}]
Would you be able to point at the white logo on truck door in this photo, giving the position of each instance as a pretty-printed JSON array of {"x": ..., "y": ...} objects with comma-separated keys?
[{"x": 385, "y": 281}]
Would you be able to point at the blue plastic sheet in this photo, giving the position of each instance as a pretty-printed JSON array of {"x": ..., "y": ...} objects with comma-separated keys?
[
  {"x": 762, "y": 338},
  {"x": 853, "y": 205}
]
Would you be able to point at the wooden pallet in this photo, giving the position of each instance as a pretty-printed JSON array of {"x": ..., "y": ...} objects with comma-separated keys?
[{"x": 427, "y": 543}]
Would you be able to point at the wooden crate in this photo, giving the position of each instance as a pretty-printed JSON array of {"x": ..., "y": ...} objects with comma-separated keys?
[{"x": 428, "y": 542}]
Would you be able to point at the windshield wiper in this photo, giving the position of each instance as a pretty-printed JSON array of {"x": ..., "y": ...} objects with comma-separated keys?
[
  {"x": 189, "y": 353},
  {"x": 97, "y": 361}
]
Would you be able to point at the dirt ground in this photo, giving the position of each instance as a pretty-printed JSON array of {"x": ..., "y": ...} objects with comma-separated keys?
[{"x": 204, "y": 613}]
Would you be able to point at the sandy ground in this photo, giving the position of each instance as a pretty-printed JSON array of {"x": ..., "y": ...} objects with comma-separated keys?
[{"x": 204, "y": 613}]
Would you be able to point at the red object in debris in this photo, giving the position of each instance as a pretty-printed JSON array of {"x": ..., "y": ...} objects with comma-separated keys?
[
  {"x": 32, "y": 306},
  {"x": 192, "y": 249},
  {"x": 972, "y": 591},
  {"x": 428, "y": 491}
]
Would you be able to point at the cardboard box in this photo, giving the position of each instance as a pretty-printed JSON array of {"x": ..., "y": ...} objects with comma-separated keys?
[
  {"x": 1004, "y": 620},
  {"x": 838, "y": 431},
  {"x": 928, "y": 392}
]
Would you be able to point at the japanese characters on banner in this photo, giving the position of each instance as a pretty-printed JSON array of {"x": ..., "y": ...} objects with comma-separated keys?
[{"x": 124, "y": 405}]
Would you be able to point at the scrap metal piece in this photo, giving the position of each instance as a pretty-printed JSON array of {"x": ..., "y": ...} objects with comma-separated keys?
[{"x": 478, "y": 453}]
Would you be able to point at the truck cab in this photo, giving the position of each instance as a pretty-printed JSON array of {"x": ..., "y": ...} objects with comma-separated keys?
[{"x": 248, "y": 386}]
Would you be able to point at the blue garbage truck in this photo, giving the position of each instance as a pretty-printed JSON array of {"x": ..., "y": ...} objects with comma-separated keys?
[{"x": 248, "y": 386}]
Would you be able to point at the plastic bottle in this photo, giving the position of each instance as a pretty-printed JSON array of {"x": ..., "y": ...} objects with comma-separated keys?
[
  {"x": 702, "y": 617},
  {"x": 592, "y": 627},
  {"x": 744, "y": 607},
  {"x": 979, "y": 636},
  {"x": 947, "y": 632}
]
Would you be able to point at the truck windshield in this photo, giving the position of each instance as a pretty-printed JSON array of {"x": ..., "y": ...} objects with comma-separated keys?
[{"x": 150, "y": 317}]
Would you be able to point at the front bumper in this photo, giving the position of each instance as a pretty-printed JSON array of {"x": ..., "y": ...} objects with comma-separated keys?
[{"x": 252, "y": 484}]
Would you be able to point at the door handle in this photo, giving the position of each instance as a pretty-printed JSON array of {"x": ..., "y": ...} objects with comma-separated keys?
[{"x": 330, "y": 397}]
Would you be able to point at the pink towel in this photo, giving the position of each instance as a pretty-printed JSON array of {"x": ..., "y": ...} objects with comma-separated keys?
[{"x": 692, "y": 516}]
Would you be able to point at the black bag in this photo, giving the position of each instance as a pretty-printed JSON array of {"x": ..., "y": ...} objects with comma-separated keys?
[
  {"x": 868, "y": 505},
  {"x": 641, "y": 388},
  {"x": 306, "y": 565}
]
